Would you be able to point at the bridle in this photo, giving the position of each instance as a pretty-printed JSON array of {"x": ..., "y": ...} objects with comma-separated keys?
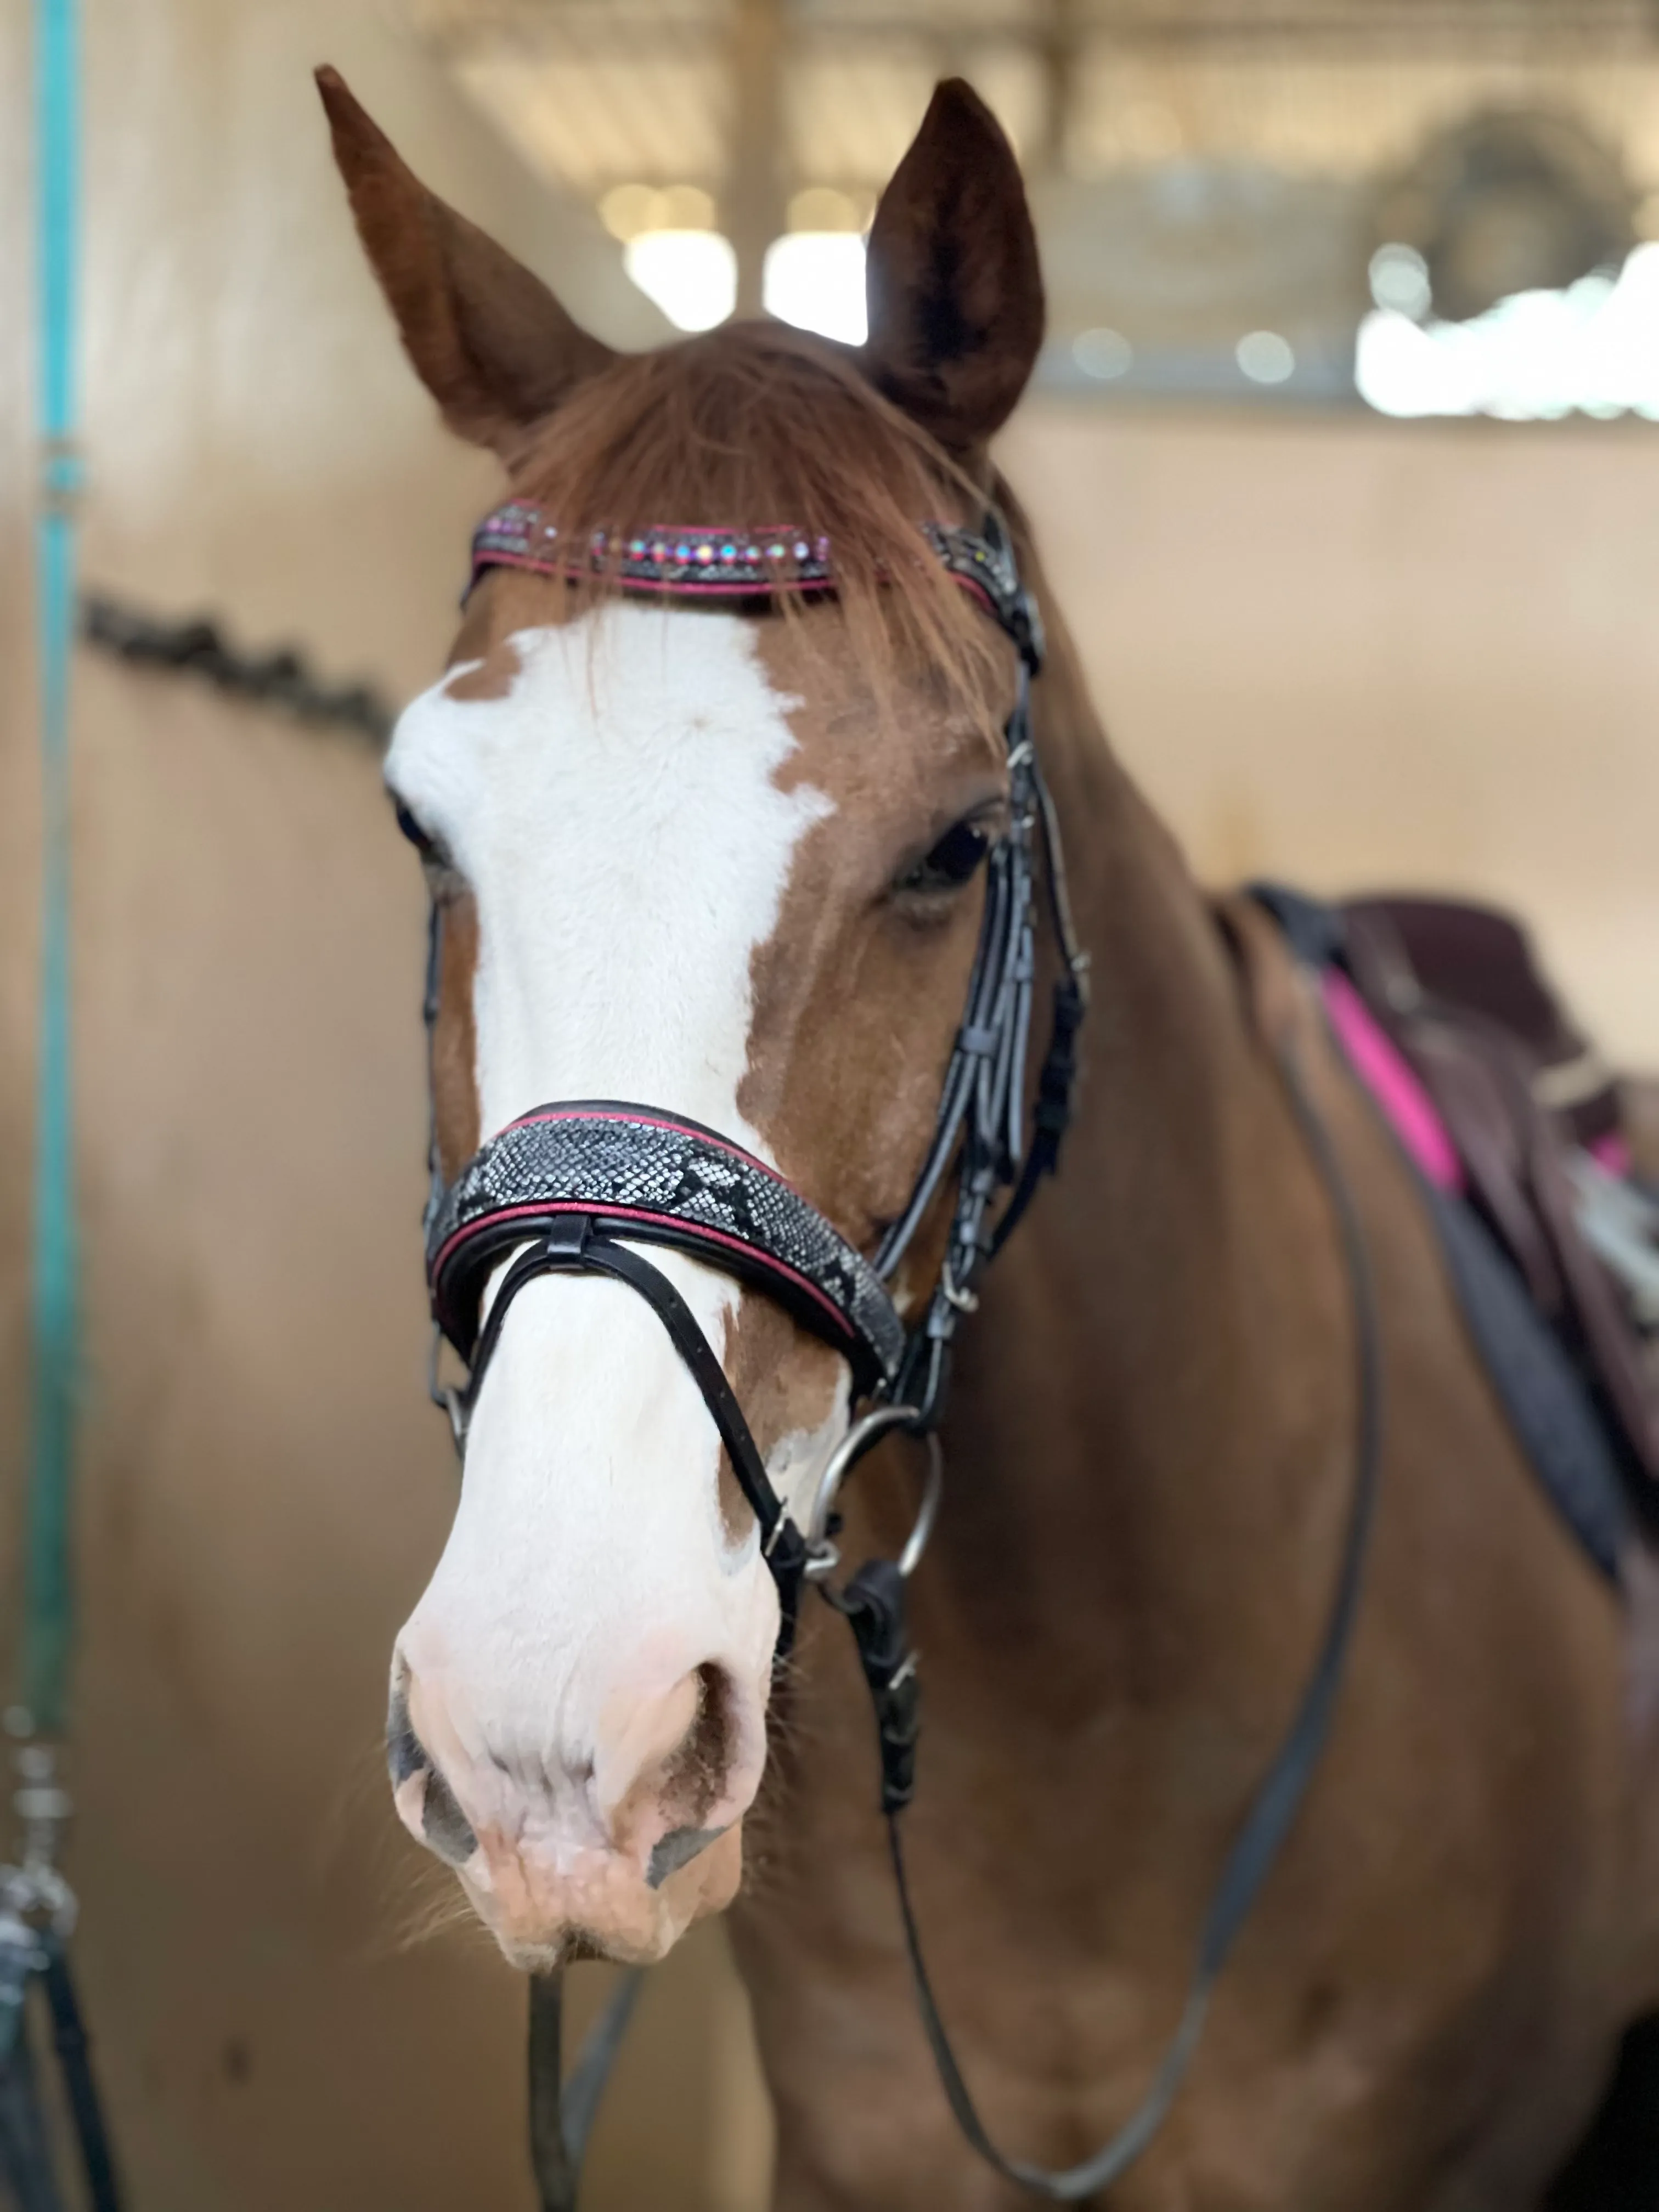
[{"x": 574, "y": 1186}]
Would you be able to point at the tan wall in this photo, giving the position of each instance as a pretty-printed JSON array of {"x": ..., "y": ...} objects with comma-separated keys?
[
  {"x": 1359, "y": 653},
  {"x": 263, "y": 1489},
  {"x": 1342, "y": 650}
]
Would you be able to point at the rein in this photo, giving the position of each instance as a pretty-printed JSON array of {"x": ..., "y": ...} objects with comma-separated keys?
[
  {"x": 1278, "y": 1799},
  {"x": 572, "y": 1187}
]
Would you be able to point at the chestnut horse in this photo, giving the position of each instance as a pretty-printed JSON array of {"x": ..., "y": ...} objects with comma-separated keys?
[{"x": 728, "y": 858}]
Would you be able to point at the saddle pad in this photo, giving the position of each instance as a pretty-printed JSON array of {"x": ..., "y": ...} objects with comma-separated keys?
[{"x": 1549, "y": 1406}]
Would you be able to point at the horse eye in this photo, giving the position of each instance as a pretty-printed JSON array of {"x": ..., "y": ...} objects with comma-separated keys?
[
  {"x": 411, "y": 829},
  {"x": 951, "y": 861}
]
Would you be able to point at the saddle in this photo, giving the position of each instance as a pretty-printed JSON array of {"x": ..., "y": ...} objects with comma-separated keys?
[{"x": 1560, "y": 1158}]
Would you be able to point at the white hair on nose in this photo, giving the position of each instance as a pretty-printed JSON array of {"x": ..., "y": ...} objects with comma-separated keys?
[{"x": 618, "y": 816}]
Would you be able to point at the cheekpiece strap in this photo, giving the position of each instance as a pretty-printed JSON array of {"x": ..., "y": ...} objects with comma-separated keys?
[
  {"x": 983, "y": 561},
  {"x": 654, "y": 1177}
]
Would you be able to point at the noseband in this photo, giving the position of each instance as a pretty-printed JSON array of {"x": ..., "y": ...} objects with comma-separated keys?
[{"x": 574, "y": 1186}]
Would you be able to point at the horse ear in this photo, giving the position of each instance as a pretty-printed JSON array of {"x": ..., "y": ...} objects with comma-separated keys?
[
  {"x": 488, "y": 340},
  {"x": 954, "y": 283}
]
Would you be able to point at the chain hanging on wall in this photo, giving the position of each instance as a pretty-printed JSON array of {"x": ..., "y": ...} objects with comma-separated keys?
[{"x": 197, "y": 647}]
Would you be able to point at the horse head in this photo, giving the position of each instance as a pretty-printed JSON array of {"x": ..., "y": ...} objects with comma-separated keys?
[{"x": 722, "y": 858}]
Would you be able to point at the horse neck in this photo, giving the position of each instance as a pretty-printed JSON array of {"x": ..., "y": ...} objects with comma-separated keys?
[{"x": 1152, "y": 1396}]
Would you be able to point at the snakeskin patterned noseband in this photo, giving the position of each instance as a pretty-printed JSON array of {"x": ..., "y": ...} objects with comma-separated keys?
[
  {"x": 659, "y": 1180},
  {"x": 578, "y": 1186}
]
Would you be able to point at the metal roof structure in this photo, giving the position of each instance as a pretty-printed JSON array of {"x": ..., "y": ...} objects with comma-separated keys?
[
  {"x": 600, "y": 92},
  {"x": 1199, "y": 167}
]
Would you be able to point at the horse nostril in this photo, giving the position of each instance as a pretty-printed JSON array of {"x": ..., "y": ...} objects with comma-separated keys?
[
  {"x": 696, "y": 1776},
  {"x": 405, "y": 1755},
  {"x": 677, "y": 1849},
  {"x": 695, "y": 1779},
  {"x": 443, "y": 1824},
  {"x": 679, "y": 1770}
]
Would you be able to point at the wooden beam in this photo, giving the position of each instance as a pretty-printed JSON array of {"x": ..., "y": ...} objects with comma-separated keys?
[{"x": 753, "y": 209}]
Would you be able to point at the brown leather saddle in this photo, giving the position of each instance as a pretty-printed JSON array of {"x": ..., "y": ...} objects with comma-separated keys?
[{"x": 1529, "y": 1105}]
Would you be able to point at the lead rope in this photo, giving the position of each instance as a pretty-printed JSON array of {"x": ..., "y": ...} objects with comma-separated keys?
[
  {"x": 874, "y": 1604},
  {"x": 562, "y": 2110},
  {"x": 37, "y": 1907}
]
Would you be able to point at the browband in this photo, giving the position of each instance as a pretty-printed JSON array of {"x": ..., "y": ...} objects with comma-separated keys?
[
  {"x": 703, "y": 562},
  {"x": 640, "y": 1172}
]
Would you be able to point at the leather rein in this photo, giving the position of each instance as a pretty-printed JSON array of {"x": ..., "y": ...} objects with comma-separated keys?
[{"x": 575, "y": 1186}]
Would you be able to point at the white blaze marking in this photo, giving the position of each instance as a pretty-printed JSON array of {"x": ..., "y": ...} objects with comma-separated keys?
[{"x": 618, "y": 817}]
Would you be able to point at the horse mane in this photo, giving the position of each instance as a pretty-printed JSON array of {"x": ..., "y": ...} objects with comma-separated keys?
[{"x": 755, "y": 425}]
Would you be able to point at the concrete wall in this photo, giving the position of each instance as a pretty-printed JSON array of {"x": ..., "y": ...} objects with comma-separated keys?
[{"x": 1343, "y": 650}]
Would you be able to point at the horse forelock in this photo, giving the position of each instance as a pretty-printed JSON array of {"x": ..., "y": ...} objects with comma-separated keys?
[{"x": 757, "y": 424}]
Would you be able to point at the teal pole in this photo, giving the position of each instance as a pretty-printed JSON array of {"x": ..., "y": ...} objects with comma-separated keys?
[{"x": 48, "y": 1608}]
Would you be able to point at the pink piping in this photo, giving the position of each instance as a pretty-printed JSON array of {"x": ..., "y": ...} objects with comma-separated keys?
[
  {"x": 1612, "y": 1154},
  {"x": 1392, "y": 1083}
]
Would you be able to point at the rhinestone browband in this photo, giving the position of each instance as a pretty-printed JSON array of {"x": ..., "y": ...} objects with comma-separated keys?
[
  {"x": 683, "y": 558},
  {"x": 666, "y": 557}
]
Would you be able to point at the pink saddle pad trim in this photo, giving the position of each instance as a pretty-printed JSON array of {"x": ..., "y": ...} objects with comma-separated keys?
[
  {"x": 1380, "y": 1067},
  {"x": 1612, "y": 1154}
]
